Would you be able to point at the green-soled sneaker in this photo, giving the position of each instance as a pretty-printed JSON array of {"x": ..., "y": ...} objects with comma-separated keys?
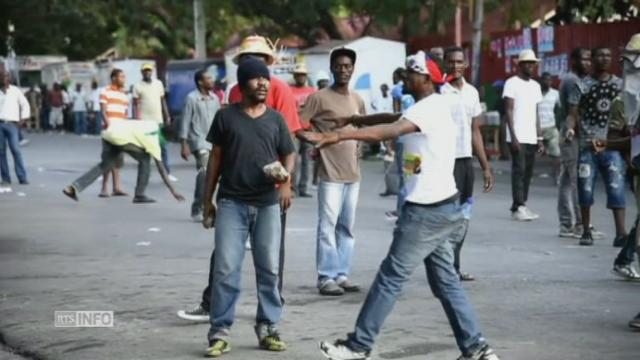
[
  {"x": 218, "y": 348},
  {"x": 272, "y": 343}
]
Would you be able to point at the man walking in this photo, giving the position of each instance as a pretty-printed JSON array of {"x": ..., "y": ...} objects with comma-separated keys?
[
  {"x": 79, "y": 107},
  {"x": 150, "y": 104},
  {"x": 339, "y": 175},
  {"x": 249, "y": 204},
  {"x": 301, "y": 91},
  {"x": 200, "y": 108},
  {"x": 14, "y": 109},
  {"x": 522, "y": 95},
  {"x": 568, "y": 207},
  {"x": 467, "y": 115},
  {"x": 589, "y": 117},
  {"x": 430, "y": 224},
  {"x": 34, "y": 97}
]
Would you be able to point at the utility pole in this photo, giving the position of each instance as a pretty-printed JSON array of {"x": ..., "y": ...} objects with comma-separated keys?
[
  {"x": 458, "y": 39},
  {"x": 199, "y": 29},
  {"x": 477, "y": 41}
]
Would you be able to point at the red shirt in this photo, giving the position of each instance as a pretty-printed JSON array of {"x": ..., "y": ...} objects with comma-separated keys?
[
  {"x": 301, "y": 94},
  {"x": 280, "y": 98}
]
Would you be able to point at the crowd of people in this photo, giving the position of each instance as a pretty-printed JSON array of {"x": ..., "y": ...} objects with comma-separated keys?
[{"x": 428, "y": 124}]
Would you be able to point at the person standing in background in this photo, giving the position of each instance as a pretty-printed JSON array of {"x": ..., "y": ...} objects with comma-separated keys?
[
  {"x": 35, "y": 103},
  {"x": 14, "y": 109},
  {"x": 93, "y": 103},
  {"x": 522, "y": 95},
  {"x": 547, "y": 111},
  {"x": 56, "y": 108},
  {"x": 199, "y": 110},
  {"x": 79, "y": 107},
  {"x": 301, "y": 91},
  {"x": 150, "y": 104}
]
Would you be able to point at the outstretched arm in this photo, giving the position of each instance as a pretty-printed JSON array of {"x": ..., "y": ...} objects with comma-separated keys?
[
  {"x": 361, "y": 120},
  {"x": 369, "y": 134},
  {"x": 167, "y": 182}
]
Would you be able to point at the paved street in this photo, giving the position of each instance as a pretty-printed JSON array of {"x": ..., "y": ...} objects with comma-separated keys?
[{"x": 537, "y": 296}]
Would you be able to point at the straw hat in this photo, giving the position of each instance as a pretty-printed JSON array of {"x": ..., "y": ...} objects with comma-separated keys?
[
  {"x": 527, "y": 56},
  {"x": 301, "y": 68},
  {"x": 255, "y": 45}
]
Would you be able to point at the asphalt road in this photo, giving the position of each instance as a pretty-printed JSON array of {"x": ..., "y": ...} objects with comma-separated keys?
[{"x": 537, "y": 296}]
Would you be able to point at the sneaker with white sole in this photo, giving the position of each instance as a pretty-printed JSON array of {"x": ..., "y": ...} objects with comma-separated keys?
[
  {"x": 339, "y": 350},
  {"x": 595, "y": 234},
  {"x": 197, "y": 314},
  {"x": 520, "y": 214},
  {"x": 486, "y": 353},
  {"x": 566, "y": 232},
  {"x": 627, "y": 272}
]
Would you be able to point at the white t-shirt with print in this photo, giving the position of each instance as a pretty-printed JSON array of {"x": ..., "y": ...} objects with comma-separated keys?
[
  {"x": 465, "y": 105},
  {"x": 546, "y": 108},
  {"x": 526, "y": 95},
  {"x": 429, "y": 155}
]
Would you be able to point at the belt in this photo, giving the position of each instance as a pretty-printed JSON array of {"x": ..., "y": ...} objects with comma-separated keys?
[{"x": 446, "y": 201}]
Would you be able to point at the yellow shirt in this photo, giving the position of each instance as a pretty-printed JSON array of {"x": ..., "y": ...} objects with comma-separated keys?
[
  {"x": 143, "y": 134},
  {"x": 149, "y": 95}
]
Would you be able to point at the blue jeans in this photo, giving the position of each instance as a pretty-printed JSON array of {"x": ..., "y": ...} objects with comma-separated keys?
[
  {"x": 9, "y": 133},
  {"x": 235, "y": 221},
  {"x": 423, "y": 234},
  {"x": 611, "y": 166},
  {"x": 97, "y": 122},
  {"x": 80, "y": 122},
  {"x": 337, "y": 204}
]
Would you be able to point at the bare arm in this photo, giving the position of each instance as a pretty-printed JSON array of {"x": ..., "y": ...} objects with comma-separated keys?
[
  {"x": 214, "y": 168},
  {"x": 136, "y": 106},
  {"x": 289, "y": 162},
  {"x": 165, "y": 112},
  {"x": 508, "y": 104},
  {"x": 370, "y": 134},
  {"x": 165, "y": 178},
  {"x": 103, "y": 110},
  {"x": 362, "y": 120},
  {"x": 572, "y": 121}
]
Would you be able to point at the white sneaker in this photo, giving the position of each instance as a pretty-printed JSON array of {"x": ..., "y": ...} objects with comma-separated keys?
[
  {"x": 172, "y": 178},
  {"x": 340, "y": 351},
  {"x": 627, "y": 272},
  {"x": 5, "y": 189},
  {"x": 531, "y": 214},
  {"x": 520, "y": 214}
]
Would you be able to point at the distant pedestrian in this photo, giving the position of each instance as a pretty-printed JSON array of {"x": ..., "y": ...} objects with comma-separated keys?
[
  {"x": 79, "y": 106},
  {"x": 590, "y": 115},
  {"x": 301, "y": 91},
  {"x": 547, "y": 109},
  {"x": 200, "y": 109},
  {"x": 56, "y": 110},
  {"x": 114, "y": 105},
  {"x": 94, "y": 108},
  {"x": 522, "y": 95},
  {"x": 150, "y": 104},
  {"x": 34, "y": 96},
  {"x": 14, "y": 109}
]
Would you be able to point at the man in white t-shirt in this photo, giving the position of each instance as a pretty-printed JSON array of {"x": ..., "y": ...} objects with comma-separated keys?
[
  {"x": 547, "y": 112},
  {"x": 431, "y": 220},
  {"x": 522, "y": 95},
  {"x": 150, "y": 104},
  {"x": 467, "y": 115}
]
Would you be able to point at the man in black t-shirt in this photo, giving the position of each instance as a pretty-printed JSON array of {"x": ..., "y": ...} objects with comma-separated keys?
[{"x": 246, "y": 137}]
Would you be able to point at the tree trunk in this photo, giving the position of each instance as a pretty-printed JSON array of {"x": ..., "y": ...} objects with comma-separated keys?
[{"x": 477, "y": 42}]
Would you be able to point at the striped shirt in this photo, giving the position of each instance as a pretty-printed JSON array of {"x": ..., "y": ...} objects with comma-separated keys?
[{"x": 116, "y": 102}]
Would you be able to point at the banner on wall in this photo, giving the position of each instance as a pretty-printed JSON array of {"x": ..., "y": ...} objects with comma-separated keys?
[
  {"x": 546, "y": 36},
  {"x": 557, "y": 65},
  {"x": 513, "y": 45},
  {"x": 496, "y": 47}
]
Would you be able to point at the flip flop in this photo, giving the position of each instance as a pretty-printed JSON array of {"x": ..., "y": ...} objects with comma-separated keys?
[
  {"x": 103, "y": 195},
  {"x": 71, "y": 194},
  {"x": 119, "y": 193}
]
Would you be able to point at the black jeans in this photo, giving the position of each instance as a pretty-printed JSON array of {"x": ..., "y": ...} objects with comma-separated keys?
[
  {"x": 522, "y": 163},
  {"x": 464, "y": 176},
  {"x": 303, "y": 169},
  {"x": 628, "y": 252}
]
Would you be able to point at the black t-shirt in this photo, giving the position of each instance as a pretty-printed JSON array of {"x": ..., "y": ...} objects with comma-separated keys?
[{"x": 247, "y": 146}]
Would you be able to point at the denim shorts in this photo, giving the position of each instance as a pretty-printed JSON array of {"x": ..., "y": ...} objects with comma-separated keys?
[{"x": 611, "y": 166}]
